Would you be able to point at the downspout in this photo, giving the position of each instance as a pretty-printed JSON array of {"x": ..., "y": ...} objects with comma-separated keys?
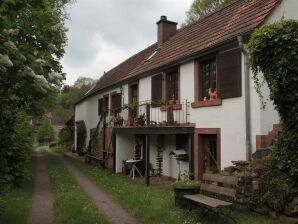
[{"x": 247, "y": 100}]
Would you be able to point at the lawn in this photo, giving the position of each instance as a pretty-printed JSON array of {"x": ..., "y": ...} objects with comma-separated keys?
[
  {"x": 15, "y": 203},
  {"x": 71, "y": 203},
  {"x": 154, "y": 206}
]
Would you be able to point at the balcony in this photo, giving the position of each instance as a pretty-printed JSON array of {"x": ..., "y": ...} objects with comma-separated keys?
[{"x": 151, "y": 114}]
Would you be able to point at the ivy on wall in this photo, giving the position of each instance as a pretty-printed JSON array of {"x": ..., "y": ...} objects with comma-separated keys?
[{"x": 273, "y": 51}]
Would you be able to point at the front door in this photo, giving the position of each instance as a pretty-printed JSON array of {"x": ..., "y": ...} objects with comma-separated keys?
[{"x": 209, "y": 153}]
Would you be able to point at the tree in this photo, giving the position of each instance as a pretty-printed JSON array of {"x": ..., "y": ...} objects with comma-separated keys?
[
  {"x": 84, "y": 81},
  {"x": 32, "y": 41},
  {"x": 45, "y": 132},
  {"x": 201, "y": 8},
  {"x": 69, "y": 95},
  {"x": 273, "y": 51}
]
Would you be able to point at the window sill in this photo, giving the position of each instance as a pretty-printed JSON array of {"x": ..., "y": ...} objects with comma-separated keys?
[
  {"x": 174, "y": 106},
  {"x": 207, "y": 103}
]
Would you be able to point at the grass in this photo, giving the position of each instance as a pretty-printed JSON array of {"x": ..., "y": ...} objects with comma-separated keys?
[
  {"x": 71, "y": 203},
  {"x": 15, "y": 203},
  {"x": 155, "y": 206}
]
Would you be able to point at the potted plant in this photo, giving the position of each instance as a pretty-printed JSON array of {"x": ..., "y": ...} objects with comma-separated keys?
[
  {"x": 185, "y": 186},
  {"x": 117, "y": 120},
  {"x": 140, "y": 120}
]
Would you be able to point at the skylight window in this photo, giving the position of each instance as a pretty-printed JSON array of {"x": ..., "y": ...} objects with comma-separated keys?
[{"x": 153, "y": 54}]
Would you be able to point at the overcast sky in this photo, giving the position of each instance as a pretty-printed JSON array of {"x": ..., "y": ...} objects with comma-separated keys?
[{"x": 103, "y": 33}]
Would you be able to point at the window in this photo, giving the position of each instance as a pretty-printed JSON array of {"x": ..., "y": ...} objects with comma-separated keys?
[
  {"x": 116, "y": 103},
  {"x": 172, "y": 85},
  {"x": 208, "y": 77},
  {"x": 100, "y": 107},
  {"x": 156, "y": 89},
  {"x": 106, "y": 105},
  {"x": 217, "y": 77}
]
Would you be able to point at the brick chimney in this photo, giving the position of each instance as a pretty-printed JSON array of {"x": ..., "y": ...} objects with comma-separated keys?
[{"x": 165, "y": 29}]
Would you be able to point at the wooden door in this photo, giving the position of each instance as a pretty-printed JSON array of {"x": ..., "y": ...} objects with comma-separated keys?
[{"x": 210, "y": 153}]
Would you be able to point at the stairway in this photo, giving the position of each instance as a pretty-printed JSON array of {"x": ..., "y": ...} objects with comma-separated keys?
[{"x": 265, "y": 141}]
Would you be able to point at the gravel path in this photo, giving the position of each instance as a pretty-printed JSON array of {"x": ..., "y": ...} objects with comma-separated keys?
[
  {"x": 42, "y": 202},
  {"x": 113, "y": 212}
]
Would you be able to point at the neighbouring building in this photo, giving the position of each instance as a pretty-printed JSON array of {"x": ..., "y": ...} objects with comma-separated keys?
[{"x": 187, "y": 101}]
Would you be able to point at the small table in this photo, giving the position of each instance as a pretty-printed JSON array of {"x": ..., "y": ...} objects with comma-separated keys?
[{"x": 134, "y": 167}]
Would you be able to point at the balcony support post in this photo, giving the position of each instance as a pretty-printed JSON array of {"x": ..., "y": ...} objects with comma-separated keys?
[{"x": 147, "y": 161}]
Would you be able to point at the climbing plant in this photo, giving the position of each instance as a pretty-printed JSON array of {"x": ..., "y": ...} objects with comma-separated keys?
[{"x": 273, "y": 51}]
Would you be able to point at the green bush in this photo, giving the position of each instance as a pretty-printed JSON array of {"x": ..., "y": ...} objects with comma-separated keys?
[
  {"x": 45, "y": 132},
  {"x": 16, "y": 141},
  {"x": 65, "y": 136},
  {"x": 273, "y": 51},
  {"x": 275, "y": 187}
]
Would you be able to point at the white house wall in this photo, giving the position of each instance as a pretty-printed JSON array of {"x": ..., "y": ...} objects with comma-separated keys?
[
  {"x": 125, "y": 147},
  {"x": 169, "y": 165},
  {"x": 87, "y": 110}
]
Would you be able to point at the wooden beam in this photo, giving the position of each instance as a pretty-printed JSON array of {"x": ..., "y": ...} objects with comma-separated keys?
[
  {"x": 218, "y": 190},
  {"x": 221, "y": 179},
  {"x": 147, "y": 161},
  {"x": 153, "y": 130}
]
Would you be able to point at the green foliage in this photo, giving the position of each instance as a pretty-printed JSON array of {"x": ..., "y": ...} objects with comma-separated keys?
[
  {"x": 158, "y": 204},
  {"x": 69, "y": 95},
  {"x": 45, "y": 132},
  {"x": 273, "y": 51},
  {"x": 32, "y": 41},
  {"x": 65, "y": 136},
  {"x": 16, "y": 139},
  {"x": 275, "y": 187},
  {"x": 201, "y": 8},
  {"x": 15, "y": 203},
  {"x": 186, "y": 182}
]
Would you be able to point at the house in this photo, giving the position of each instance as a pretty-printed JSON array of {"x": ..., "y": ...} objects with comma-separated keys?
[{"x": 190, "y": 102}]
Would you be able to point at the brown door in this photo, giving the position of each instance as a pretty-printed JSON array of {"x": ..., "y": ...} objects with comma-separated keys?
[{"x": 210, "y": 153}]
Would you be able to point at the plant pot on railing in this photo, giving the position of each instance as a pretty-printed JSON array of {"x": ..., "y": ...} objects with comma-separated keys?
[
  {"x": 140, "y": 120},
  {"x": 117, "y": 121}
]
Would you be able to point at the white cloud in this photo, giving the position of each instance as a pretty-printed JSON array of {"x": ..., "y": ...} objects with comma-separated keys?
[{"x": 104, "y": 33}]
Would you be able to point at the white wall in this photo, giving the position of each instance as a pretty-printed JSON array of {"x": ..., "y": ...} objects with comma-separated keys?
[
  {"x": 87, "y": 110},
  {"x": 124, "y": 149},
  {"x": 169, "y": 165}
]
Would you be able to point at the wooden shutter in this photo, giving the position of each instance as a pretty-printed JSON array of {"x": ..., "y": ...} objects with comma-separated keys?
[
  {"x": 156, "y": 89},
  {"x": 106, "y": 105},
  {"x": 229, "y": 74},
  {"x": 100, "y": 106},
  {"x": 117, "y": 102}
]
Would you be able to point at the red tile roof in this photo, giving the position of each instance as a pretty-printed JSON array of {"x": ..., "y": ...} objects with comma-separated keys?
[{"x": 240, "y": 17}]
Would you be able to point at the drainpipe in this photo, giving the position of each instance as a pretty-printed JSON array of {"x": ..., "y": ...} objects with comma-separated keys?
[{"x": 247, "y": 100}]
